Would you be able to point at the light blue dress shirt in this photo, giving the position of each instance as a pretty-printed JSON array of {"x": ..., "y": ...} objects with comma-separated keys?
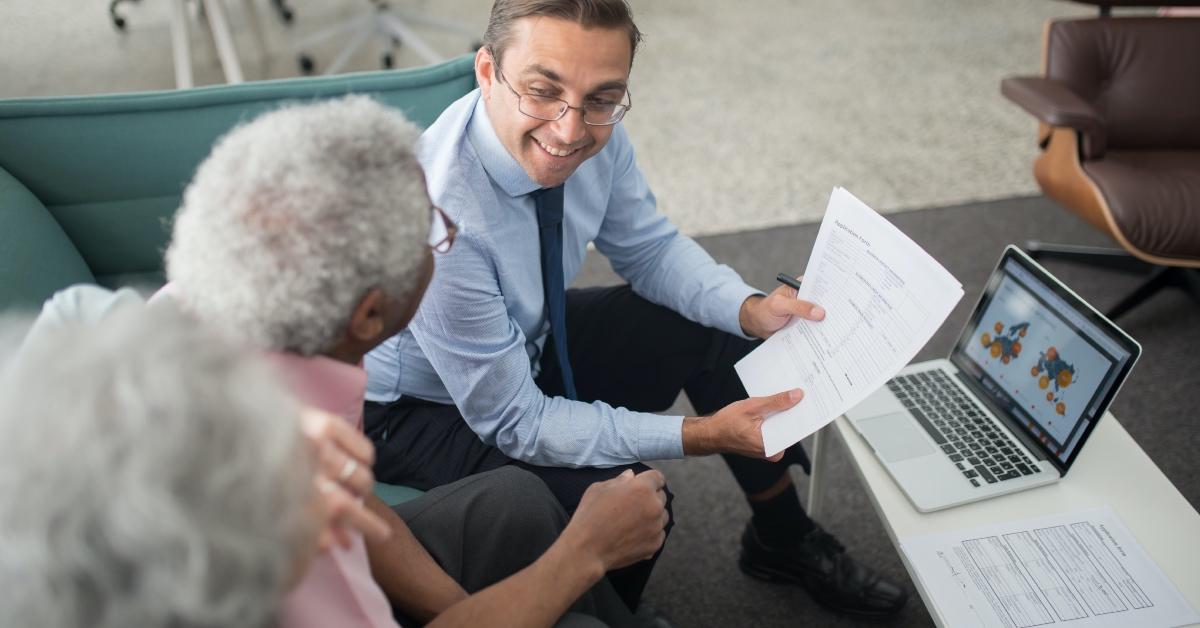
[{"x": 476, "y": 340}]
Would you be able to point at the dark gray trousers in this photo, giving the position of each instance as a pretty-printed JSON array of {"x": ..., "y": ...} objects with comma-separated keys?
[{"x": 488, "y": 526}]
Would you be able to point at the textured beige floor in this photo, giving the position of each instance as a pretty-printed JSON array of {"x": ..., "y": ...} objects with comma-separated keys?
[{"x": 745, "y": 114}]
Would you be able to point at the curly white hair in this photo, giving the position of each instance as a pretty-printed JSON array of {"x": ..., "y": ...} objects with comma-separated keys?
[
  {"x": 295, "y": 216},
  {"x": 154, "y": 476}
]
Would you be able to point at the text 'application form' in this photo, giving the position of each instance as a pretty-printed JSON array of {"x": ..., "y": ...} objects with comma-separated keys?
[{"x": 884, "y": 297}]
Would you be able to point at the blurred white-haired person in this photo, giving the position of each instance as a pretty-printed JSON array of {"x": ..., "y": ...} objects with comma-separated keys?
[
  {"x": 307, "y": 233},
  {"x": 154, "y": 476}
]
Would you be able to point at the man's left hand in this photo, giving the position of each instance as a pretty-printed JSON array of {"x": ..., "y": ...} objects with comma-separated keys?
[{"x": 762, "y": 316}]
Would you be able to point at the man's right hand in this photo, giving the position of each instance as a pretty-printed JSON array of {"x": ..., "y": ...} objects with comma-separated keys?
[
  {"x": 620, "y": 521},
  {"x": 736, "y": 428}
]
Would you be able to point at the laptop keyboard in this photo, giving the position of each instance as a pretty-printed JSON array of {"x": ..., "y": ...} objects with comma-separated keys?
[{"x": 981, "y": 452}]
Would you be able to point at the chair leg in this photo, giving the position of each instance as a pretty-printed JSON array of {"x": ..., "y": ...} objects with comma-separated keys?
[
  {"x": 408, "y": 37},
  {"x": 181, "y": 44},
  {"x": 222, "y": 35},
  {"x": 118, "y": 20},
  {"x": 1107, "y": 257},
  {"x": 1159, "y": 279},
  {"x": 1189, "y": 280},
  {"x": 285, "y": 12}
]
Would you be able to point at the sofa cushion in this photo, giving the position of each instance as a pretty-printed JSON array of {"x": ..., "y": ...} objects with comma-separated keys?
[
  {"x": 39, "y": 259},
  {"x": 111, "y": 168}
]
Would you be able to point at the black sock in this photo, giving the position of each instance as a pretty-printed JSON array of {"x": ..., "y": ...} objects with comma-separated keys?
[{"x": 780, "y": 521}]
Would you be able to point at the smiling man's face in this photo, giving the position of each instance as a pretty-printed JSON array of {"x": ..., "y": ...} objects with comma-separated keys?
[{"x": 559, "y": 58}]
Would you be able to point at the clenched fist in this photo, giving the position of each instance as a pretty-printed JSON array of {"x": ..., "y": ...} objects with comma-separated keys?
[{"x": 621, "y": 521}]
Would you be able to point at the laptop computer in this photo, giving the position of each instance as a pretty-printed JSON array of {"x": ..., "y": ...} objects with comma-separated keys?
[{"x": 1033, "y": 371}]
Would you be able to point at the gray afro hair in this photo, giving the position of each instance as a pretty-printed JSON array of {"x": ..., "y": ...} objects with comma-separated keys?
[
  {"x": 153, "y": 476},
  {"x": 295, "y": 216}
]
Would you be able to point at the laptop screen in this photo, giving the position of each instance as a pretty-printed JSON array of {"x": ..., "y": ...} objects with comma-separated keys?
[{"x": 1044, "y": 356}]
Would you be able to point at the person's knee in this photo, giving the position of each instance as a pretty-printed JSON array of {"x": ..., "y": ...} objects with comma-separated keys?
[{"x": 520, "y": 501}]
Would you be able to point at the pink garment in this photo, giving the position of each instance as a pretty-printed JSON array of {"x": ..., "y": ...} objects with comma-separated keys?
[{"x": 338, "y": 590}]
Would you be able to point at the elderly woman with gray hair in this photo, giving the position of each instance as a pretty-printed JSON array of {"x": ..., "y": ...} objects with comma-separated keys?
[
  {"x": 154, "y": 476},
  {"x": 308, "y": 234}
]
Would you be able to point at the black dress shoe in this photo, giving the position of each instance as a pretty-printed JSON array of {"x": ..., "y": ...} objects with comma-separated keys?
[{"x": 821, "y": 565}]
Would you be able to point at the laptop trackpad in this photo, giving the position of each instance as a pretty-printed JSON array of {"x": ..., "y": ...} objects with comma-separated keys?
[{"x": 895, "y": 437}]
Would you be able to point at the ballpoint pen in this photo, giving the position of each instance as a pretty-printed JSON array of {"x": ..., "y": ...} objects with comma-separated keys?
[{"x": 788, "y": 280}]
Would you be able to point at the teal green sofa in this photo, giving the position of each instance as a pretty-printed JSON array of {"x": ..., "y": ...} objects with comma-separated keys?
[{"x": 88, "y": 185}]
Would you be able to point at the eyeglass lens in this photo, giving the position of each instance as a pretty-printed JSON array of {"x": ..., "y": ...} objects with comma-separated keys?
[{"x": 549, "y": 108}]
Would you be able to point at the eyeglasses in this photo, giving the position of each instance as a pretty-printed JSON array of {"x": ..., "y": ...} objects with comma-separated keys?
[
  {"x": 441, "y": 231},
  {"x": 549, "y": 108}
]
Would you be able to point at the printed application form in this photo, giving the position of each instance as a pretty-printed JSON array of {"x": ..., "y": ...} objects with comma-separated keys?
[
  {"x": 1082, "y": 569},
  {"x": 884, "y": 297}
]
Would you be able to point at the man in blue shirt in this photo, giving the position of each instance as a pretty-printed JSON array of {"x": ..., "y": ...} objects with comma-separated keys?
[{"x": 502, "y": 364}]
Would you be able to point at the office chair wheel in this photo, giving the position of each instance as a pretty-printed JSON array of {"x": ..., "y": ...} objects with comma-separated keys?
[
  {"x": 117, "y": 20},
  {"x": 307, "y": 65},
  {"x": 285, "y": 12}
]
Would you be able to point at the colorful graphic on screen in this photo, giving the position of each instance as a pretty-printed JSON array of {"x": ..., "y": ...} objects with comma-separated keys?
[
  {"x": 1005, "y": 346},
  {"x": 1053, "y": 370},
  {"x": 1035, "y": 356},
  {"x": 1048, "y": 363}
]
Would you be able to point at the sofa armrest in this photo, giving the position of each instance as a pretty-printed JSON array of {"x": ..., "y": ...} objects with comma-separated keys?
[
  {"x": 1055, "y": 104},
  {"x": 37, "y": 258}
]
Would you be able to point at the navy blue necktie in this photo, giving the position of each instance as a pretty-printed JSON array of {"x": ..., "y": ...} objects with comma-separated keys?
[{"x": 549, "y": 203}]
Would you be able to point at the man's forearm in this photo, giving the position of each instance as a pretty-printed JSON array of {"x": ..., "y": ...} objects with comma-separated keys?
[
  {"x": 538, "y": 595},
  {"x": 408, "y": 575},
  {"x": 697, "y": 437}
]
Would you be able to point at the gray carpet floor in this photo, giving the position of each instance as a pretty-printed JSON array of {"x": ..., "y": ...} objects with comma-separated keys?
[{"x": 697, "y": 582}]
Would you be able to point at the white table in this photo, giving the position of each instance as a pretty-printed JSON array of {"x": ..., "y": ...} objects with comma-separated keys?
[{"x": 1112, "y": 470}]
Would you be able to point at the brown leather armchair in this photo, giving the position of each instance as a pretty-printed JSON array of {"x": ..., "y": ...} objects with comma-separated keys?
[{"x": 1119, "y": 106}]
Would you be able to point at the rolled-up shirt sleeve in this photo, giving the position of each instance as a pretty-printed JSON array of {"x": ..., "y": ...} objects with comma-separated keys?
[
  {"x": 661, "y": 264},
  {"x": 479, "y": 353}
]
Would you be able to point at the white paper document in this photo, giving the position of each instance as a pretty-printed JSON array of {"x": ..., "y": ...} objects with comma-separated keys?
[
  {"x": 884, "y": 297},
  {"x": 1081, "y": 570}
]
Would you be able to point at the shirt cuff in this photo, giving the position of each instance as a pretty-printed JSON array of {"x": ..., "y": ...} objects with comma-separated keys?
[
  {"x": 660, "y": 437},
  {"x": 735, "y": 294}
]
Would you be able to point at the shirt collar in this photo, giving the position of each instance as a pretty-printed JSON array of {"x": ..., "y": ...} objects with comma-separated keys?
[
  {"x": 495, "y": 158},
  {"x": 324, "y": 383},
  {"x": 318, "y": 381}
]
